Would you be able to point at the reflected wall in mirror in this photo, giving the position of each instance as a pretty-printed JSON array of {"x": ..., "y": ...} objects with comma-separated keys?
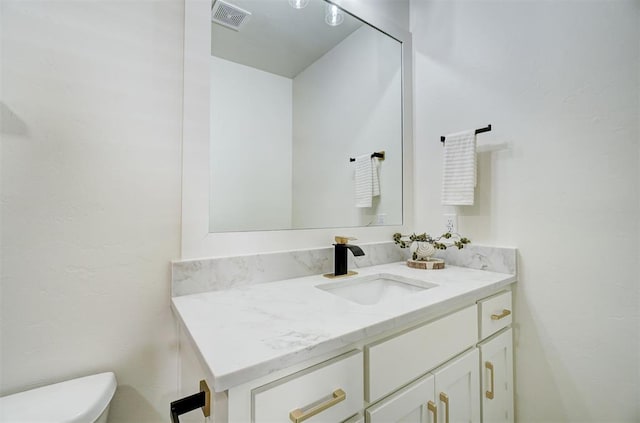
[{"x": 293, "y": 98}]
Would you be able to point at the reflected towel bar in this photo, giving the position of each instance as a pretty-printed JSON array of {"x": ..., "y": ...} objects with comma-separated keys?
[
  {"x": 378, "y": 154},
  {"x": 478, "y": 131}
]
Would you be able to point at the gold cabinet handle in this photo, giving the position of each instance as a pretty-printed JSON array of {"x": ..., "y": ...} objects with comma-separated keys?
[
  {"x": 432, "y": 407},
  {"x": 489, "y": 366},
  {"x": 298, "y": 415},
  {"x": 502, "y": 315},
  {"x": 445, "y": 399}
]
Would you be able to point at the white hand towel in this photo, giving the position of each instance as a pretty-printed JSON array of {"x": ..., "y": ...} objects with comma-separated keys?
[
  {"x": 364, "y": 181},
  {"x": 376, "y": 177},
  {"x": 459, "y": 169}
]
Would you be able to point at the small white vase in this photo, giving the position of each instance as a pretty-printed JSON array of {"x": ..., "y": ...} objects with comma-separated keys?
[{"x": 424, "y": 250}]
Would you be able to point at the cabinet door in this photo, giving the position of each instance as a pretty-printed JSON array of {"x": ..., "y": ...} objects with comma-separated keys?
[
  {"x": 458, "y": 390},
  {"x": 413, "y": 404},
  {"x": 497, "y": 379}
]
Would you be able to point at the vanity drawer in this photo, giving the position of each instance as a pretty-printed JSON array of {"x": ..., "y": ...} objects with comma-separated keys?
[
  {"x": 495, "y": 313},
  {"x": 331, "y": 391},
  {"x": 394, "y": 362}
]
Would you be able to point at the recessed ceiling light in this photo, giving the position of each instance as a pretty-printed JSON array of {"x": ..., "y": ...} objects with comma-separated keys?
[{"x": 333, "y": 15}]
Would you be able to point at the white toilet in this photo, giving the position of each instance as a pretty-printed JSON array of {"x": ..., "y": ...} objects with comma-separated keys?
[{"x": 82, "y": 400}]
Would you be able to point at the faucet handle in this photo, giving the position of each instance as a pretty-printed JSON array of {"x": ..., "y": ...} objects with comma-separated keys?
[{"x": 344, "y": 239}]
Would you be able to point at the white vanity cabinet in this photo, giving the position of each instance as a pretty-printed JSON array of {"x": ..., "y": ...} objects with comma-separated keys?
[{"x": 454, "y": 368}]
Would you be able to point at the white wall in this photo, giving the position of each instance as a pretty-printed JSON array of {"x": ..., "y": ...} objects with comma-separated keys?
[
  {"x": 558, "y": 178},
  {"x": 251, "y": 132},
  {"x": 362, "y": 75},
  {"x": 90, "y": 162}
]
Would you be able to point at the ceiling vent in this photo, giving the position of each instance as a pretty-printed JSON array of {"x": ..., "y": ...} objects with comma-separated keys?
[{"x": 229, "y": 15}]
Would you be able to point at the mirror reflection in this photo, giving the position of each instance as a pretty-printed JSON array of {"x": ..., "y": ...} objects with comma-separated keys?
[{"x": 302, "y": 96}]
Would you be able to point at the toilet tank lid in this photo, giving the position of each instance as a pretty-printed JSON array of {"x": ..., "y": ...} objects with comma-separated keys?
[{"x": 79, "y": 400}]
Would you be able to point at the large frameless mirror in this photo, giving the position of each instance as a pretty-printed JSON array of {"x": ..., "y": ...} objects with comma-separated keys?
[{"x": 303, "y": 94}]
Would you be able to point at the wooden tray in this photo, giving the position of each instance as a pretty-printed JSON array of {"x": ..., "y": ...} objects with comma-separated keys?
[{"x": 431, "y": 264}]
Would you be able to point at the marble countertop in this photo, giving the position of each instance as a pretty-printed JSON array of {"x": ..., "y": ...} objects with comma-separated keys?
[{"x": 248, "y": 332}]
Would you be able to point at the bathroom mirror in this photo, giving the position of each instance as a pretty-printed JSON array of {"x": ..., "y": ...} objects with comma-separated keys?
[{"x": 298, "y": 88}]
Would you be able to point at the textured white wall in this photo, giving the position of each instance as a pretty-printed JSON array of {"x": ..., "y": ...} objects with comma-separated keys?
[
  {"x": 251, "y": 132},
  {"x": 345, "y": 104},
  {"x": 558, "y": 178},
  {"x": 90, "y": 162}
]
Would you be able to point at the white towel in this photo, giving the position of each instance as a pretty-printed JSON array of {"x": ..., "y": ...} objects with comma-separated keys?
[
  {"x": 376, "y": 178},
  {"x": 459, "y": 169},
  {"x": 367, "y": 184}
]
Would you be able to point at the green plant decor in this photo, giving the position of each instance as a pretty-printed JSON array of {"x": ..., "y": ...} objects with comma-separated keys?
[{"x": 405, "y": 241}]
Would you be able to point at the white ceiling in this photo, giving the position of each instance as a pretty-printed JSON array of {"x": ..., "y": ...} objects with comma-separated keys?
[{"x": 278, "y": 38}]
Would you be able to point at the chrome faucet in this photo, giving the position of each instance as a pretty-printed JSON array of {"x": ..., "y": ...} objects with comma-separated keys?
[{"x": 340, "y": 256}]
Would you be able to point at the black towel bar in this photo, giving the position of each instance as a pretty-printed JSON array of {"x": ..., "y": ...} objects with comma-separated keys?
[
  {"x": 478, "y": 131},
  {"x": 378, "y": 154}
]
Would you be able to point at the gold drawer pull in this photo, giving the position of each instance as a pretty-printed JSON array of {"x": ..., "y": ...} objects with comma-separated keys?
[
  {"x": 489, "y": 366},
  {"x": 445, "y": 399},
  {"x": 502, "y": 315},
  {"x": 432, "y": 407},
  {"x": 298, "y": 415}
]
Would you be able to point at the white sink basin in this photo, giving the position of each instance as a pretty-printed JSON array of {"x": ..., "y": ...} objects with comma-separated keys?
[{"x": 374, "y": 289}]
